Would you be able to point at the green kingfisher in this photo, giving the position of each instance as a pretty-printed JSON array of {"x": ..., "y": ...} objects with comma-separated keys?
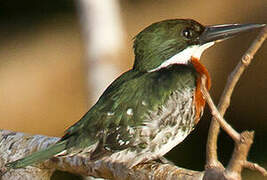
[{"x": 151, "y": 108}]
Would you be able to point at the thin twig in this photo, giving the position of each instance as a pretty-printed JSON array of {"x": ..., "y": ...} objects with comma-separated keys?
[
  {"x": 243, "y": 143},
  {"x": 255, "y": 167},
  {"x": 215, "y": 113},
  {"x": 211, "y": 148}
]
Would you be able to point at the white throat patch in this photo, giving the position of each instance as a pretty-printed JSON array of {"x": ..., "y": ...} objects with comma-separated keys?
[{"x": 184, "y": 57}]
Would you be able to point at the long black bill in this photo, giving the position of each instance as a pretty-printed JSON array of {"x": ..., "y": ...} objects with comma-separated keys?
[{"x": 221, "y": 32}]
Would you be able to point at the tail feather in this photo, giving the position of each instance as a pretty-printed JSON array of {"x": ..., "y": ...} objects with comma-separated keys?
[{"x": 38, "y": 156}]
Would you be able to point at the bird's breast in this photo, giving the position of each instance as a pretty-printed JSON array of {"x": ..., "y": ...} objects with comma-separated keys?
[{"x": 170, "y": 124}]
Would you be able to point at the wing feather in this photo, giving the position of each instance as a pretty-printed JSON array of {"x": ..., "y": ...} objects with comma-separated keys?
[{"x": 123, "y": 107}]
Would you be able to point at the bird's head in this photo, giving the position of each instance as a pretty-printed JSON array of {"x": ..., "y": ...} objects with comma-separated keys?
[{"x": 176, "y": 41}]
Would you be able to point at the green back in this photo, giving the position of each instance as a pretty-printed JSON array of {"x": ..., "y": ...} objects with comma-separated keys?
[{"x": 140, "y": 92}]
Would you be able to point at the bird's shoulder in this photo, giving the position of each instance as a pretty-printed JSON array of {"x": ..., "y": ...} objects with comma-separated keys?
[
  {"x": 126, "y": 102},
  {"x": 130, "y": 96}
]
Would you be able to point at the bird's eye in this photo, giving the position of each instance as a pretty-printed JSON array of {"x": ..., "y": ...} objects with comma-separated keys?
[{"x": 188, "y": 33}]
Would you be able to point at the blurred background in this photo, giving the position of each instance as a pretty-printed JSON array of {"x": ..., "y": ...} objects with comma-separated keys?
[{"x": 54, "y": 64}]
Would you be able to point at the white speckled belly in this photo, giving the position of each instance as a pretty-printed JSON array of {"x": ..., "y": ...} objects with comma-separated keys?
[{"x": 162, "y": 131}]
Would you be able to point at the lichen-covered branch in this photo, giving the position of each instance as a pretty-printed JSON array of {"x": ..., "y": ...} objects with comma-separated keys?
[{"x": 17, "y": 145}]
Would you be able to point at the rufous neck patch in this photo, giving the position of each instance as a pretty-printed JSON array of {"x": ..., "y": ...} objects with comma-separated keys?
[
  {"x": 201, "y": 71},
  {"x": 199, "y": 98}
]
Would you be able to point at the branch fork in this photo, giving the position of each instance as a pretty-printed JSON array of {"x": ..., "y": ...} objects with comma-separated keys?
[{"x": 244, "y": 140}]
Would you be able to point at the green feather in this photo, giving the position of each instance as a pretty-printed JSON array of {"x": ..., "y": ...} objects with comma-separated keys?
[
  {"x": 38, "y": 156},
  {"x": 154, "y": 88},
  {"x": 162, "y": 40}
]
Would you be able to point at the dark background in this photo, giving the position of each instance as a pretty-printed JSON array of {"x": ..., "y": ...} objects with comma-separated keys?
[{"x": 43, "y": 87}]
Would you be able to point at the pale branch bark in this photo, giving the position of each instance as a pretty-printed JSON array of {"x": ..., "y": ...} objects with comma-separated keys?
[
  {"x": 17, "y": 145},
  {"x": 211, "y": 148}
]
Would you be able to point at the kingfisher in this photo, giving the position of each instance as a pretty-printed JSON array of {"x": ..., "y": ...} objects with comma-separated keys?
[{"x": 151, "y": 108}]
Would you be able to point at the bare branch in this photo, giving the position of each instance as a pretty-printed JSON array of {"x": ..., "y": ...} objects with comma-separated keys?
[
  {"x": 243, "y": 143},
  {"x": 215, "y": 113},
  {"x": 255, "y": 167},
  {"x": 211, "y": 148},
  {"x": 239, "y": 155}
]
